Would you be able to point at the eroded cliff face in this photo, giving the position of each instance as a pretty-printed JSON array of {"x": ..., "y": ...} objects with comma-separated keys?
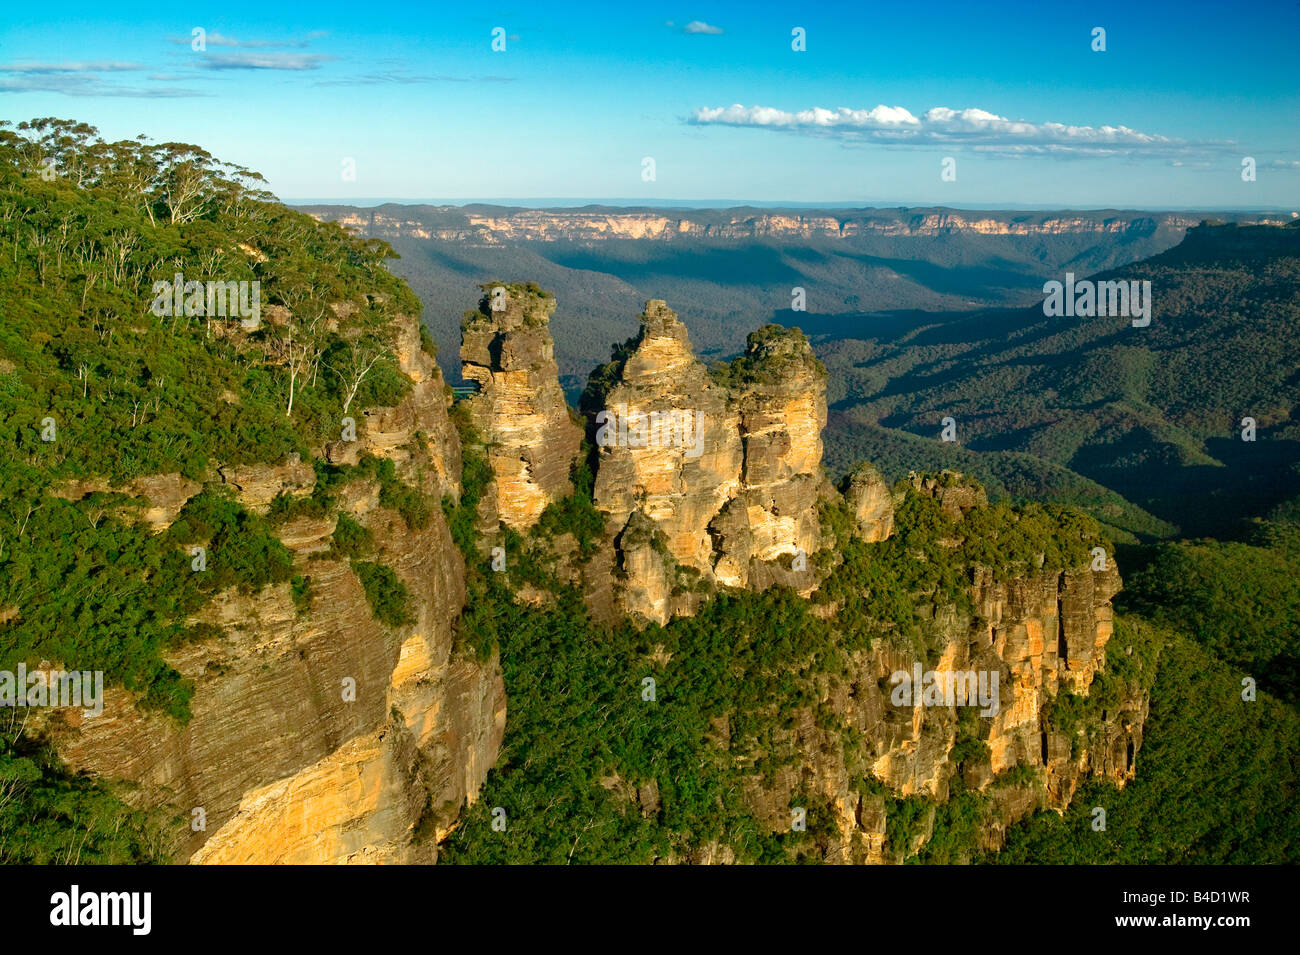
[
  {"x": 670, "y": 453},
  {"x": 705, "y": 480},
  {"x": 449, "y": 223},
  {"x": 779, "y": 388},
  {"x": 1040, "y": 634},
  {"x": 872, "y": 503},
  {"x": 709, "y": 480},
  {"x": 319, "y": 734},
  {"x": 519, "y": 411}
]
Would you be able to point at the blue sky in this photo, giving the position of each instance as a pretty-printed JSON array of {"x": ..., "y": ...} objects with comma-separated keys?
[{"x": 416, "y": 98}]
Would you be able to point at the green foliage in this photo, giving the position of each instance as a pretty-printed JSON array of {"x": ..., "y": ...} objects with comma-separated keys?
[
  {"x": 582, "y": 741},
  {"x": 930, "y": 557},
  {"x": 957, "y": 826},
  {"x": 51, "y": 816},
  {"x": 388, "y": 597},
  {"x": 905, "y": 821},
  {"x": 241, "y": 550},
  {"x": 1141, "y": 428},
  {"x": 476, "y": 474},
  {"x": 408, "y": 501},
  {"x": 94, "y": 593},
  {"x": 576, "y": 514},
  {"x": 300, "y": 591},
  {"x": 1240, "y": 601},
  {"x": 135, "y": 393},
  {"x": 771, "y": 355},
  {"x": 427, "y": 344},
  {"x": 350, "y": 539},
  {"x": 1217, "y": 781}
]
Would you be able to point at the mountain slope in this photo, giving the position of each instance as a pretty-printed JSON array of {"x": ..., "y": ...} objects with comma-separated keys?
[{"x": 1154, "y": 414}]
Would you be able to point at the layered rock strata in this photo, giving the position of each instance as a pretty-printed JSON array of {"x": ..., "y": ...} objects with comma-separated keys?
[
  {"x": 519, "y": 411},
  {"x": 709, "y": 479},
  {"x": 320, "y": 734}
]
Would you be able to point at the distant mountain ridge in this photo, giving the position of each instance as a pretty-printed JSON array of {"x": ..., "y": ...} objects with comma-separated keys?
[
  {"x": 735, "y": 269},
  {"x": 1154, "y": 414},
  {"x": 490, "y": 225}
]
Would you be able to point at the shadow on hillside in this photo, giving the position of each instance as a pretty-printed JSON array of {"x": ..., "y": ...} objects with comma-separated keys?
[
  {"x": 972, "y": 281},
  {"x": 1204, "y": 500},
  {"x": 756, "y": 265}
]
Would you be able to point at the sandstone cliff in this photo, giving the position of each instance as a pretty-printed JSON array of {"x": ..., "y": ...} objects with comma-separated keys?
[
  {"x": 485, "y": 226},
  {"x": 705, "y": 479},
  {"x": 319, "y": 734},
  {"x": 1043, "y": 634}
]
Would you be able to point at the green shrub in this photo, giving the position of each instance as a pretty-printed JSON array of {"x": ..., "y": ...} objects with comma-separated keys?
[{"x": 388, "y": 596}]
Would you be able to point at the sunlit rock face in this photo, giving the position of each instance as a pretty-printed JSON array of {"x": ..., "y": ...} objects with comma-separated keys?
[
  {"x": 318, "y": 733},
  {"x": 1040, "y": 633},
  {"x": 726, "y": 466},
  {"x": 520, "y": 411},
  {"x": 873, "y": 507}
]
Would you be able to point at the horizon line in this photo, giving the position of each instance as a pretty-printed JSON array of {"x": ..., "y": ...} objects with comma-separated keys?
[{"x": 543, "y": 202}]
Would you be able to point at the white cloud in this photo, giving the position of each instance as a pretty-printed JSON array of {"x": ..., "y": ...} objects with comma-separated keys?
[
  {"x": 86, "y": 84},
  {"x": 263, "y": 61},
  {"x": 220, "y": 39},
  {"x": 977, "y": 129},
  {"x": 81, "y": 78},
  {"x": 700, "y": 27},
  {"x": 81, "y": 66}
]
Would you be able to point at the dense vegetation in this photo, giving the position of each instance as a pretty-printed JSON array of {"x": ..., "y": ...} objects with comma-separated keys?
[
  {"x": 98, "y": 389},
  {"x": 1141, "y": 426},
  {"x": 628, "y": 744},
  {"x": 1216, "y": 783},
  {"x": 599, "y": 765}
]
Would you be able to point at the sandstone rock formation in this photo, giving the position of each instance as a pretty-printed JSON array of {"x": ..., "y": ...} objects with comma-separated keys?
[
  {"x": 725, "y": 466},
  {"x": 780, "y": 389},
  {"x": 954, "y": 494},
  {"x": 285, "y": 764},
  {"x": 873, "y": 506},
  {"x": 450, "y": 223},
  {"x": 669, "y": 450},
  {"x": 705, "y": 480},
  {"x": 519, "y": 412},
  {"x": 1040, "y": 633}
]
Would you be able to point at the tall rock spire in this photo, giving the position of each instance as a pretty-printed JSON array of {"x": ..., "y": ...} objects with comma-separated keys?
[
  {"x": 519, "y": 412},
  {"x": 708, "y": 479}
]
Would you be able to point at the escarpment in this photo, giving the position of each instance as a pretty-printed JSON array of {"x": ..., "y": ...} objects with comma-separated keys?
[
  {"x": 319, "y": 731},
  {"x": 709, "y": 480},
  {"x": 878, "y": 745},
  {"x": 337, "y": 717},
  {"x": 519, "y": 411}
]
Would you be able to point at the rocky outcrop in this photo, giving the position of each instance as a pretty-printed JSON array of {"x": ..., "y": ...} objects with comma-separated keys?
[
  {"x": 779, "y": 387},
  {"x": 712, "y": 479},
  {"x": 670, "y": 451},
  {"x": 257, "y": 485},
  {"x": 318, "y": 733},
  {"x": 155, "y": 499},
  {"x": 955, "y": 495},
  {"x": 709, "y": 479},
  {"x": 871, "y": 502},
  {"x": 519, "y": 411},
  {"x": 416, "y": 435},
  {"x": 1022, "y": 629}
]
